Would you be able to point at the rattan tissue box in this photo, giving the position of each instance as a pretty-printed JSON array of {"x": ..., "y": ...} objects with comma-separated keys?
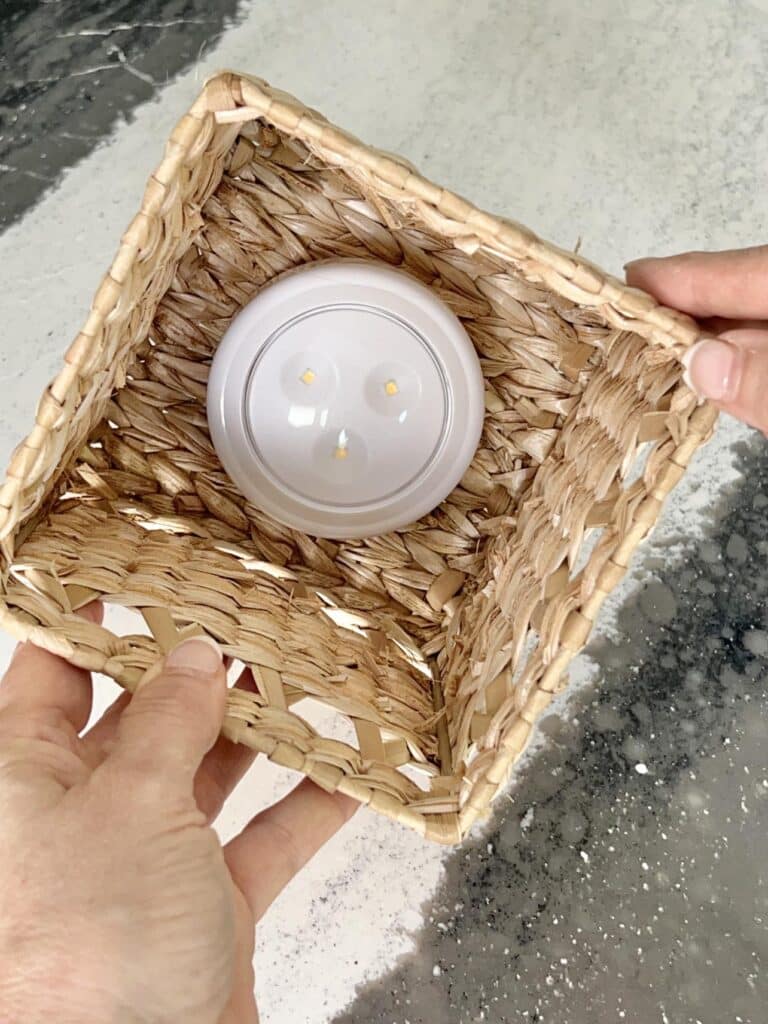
[{"x": 437, "y": 647}]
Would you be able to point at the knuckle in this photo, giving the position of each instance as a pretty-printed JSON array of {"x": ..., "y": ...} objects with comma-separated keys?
[
  {"x": 158, "y": 702},
  {"x": 52, "y": 728},
  {"x": 692, "y": 283},
  {"x": 286, "y": 840},
  {"x": 130, "y": 782},
  {"x": 23, "y": 757},
  {"x": 151, "y": 802},
  {"x": 176, "y": 695}
]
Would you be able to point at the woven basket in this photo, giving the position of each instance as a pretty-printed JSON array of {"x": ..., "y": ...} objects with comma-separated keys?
[{"x": 438, "y": 646}]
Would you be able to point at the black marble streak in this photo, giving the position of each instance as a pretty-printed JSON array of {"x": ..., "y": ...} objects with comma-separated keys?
[
  {"x": 600, "y": 894},
  {"x": 70, "y": 69}
]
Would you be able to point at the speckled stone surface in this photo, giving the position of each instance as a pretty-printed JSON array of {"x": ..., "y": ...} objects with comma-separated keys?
[{"x": 622, "y": 878}]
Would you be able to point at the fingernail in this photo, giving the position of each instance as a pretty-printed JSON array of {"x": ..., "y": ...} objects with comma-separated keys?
[
  {"x": 713, "y": 369},
  {"x": 198, "y": 654}
]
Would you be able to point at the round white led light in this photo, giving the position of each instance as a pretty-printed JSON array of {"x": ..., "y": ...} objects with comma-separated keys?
[{"x": 346, "y": 400}]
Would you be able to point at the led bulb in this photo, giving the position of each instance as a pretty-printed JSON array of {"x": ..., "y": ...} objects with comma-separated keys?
[{"x": 346, "y": 400}]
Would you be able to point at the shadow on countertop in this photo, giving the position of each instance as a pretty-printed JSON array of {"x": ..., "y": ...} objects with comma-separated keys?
[{"x": 623, "y": 878}]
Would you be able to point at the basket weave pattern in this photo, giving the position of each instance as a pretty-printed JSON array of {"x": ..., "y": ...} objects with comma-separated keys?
[{"x": 441, "y": 644}]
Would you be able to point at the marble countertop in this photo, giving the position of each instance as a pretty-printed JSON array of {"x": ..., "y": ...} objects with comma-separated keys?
[{"x": 623, "y": 877}]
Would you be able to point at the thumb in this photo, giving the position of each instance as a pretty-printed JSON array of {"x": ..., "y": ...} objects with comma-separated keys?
[
  {"x": 175, "y": 715},
  {"x": 732, "y": 371}
]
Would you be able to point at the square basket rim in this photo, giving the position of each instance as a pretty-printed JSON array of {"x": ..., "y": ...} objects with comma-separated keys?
[{"x": 234, "y": 98}]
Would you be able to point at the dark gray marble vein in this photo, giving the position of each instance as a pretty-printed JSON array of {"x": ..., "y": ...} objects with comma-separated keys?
[
  {"x": 71, "y": 69},
  {"x": 624, "y": 876}
]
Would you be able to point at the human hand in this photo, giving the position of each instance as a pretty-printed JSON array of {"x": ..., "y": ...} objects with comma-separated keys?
[
  {"x": 728, "y": 292},
  {"x": 117, "y": 902}
]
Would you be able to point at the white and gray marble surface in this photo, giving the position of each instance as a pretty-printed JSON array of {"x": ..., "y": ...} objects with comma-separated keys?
[{"x": 623, "y": 877}]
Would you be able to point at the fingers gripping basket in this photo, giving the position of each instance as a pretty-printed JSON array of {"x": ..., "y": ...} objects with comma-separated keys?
[{"x": 438, "y": 646}]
